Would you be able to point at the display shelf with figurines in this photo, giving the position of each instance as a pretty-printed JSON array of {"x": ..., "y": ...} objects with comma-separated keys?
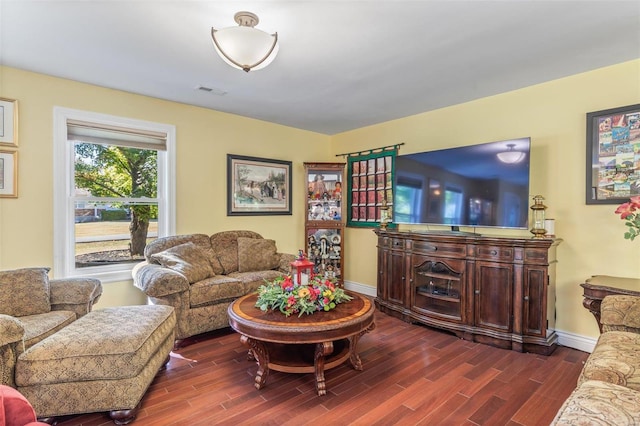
[
  {"x": 325, "y": 218},
  {"x": 324, "y": 248}
]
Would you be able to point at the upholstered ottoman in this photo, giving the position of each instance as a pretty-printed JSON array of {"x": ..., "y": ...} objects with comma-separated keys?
[{"x": 104, "y": 361}]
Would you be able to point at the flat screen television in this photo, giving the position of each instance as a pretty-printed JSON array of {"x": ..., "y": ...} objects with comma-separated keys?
[{"x": 470, "y": 186}]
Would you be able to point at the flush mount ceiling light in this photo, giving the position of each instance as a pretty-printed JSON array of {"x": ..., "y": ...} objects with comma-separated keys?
[
  {"x": 245, "y": 47},
  {"x": 511, "y": 156}
]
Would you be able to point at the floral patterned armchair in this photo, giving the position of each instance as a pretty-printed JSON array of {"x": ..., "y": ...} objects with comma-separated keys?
[{"x": 32, "y": 307}]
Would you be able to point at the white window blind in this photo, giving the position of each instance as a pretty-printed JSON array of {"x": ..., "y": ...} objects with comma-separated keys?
[{"x": 113, "y": 135}]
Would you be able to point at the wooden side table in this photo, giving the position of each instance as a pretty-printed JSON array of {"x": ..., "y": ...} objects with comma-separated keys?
[
  {"x": 306, "y": 344},
  {"x": 598, "y": 287}
]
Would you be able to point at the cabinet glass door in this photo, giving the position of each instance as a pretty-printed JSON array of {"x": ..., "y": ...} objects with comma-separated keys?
[
  {"x": 437, "y": 289},
  {"x": 324, "y": 195},
  {"x": 324, "y": 249}
]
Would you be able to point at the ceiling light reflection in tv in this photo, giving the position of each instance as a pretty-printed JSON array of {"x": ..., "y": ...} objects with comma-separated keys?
[{"x": 483, "y": 185}]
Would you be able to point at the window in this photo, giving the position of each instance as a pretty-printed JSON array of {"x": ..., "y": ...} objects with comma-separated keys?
[{"x": 113, "y": 192}]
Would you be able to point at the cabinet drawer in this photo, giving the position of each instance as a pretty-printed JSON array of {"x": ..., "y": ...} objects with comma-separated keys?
[
  {"x": 439, "y": 249},
  {"x": 504, "y": 254},
  {"x": 397, "y": 243}
]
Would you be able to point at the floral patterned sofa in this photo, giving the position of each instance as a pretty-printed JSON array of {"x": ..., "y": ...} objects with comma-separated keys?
[
  {"x": 199, "y": 275},
  {"x": 608, "y": 391}
]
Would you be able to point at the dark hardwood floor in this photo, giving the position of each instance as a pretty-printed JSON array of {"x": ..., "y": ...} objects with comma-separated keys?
[{"x": 412, "y": 375}]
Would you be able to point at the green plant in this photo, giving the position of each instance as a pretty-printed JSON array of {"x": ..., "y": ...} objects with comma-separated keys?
[
  {"x": 631, "y": 213},
  {"x": 283, "y": 294}
]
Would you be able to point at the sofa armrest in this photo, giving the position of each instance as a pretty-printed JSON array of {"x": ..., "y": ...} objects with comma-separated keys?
[
  {"x": 11, "y": 330},
  {"x": 621, "y": 313},
  {"x": 285, "y": 262},
  {"x": 75, "y": 294},
  {"x": 11, "y": 334},
  {"x": 157, "y": 281}
]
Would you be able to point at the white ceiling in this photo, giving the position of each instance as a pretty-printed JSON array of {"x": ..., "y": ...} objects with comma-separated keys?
[{"x": 342, "y": 64}]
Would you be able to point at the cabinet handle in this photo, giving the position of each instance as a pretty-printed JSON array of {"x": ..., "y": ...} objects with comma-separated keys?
[
  {"x": 396, "y": 243},
  {"x": 526, "y": 298},
  {"x": 477, "y": 291},
  {"x": 431, "y": 248},
  {"x": 402, "y": 278},
  {"x": 494, "y": 252}
]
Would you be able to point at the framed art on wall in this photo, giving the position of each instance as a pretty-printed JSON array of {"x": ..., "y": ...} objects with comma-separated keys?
[
  {"x": 8, "y": 122},
  {"x": 258, "y": 186},
  {"x": 8, "y": 174},
  {"x": 613, "y": 155},
  {"x": 371, "y": 186}
]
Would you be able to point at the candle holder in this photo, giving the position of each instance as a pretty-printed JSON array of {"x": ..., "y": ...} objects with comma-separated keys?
[
  {"x": 301, "y": 269},
  {"x": 538, "y": 209},
  {"x": 384, "y": 214}
]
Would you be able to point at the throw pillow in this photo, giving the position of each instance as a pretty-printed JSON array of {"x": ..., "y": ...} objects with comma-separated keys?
[
  {"x": 257, "y": 254},
  {"x": 188, "y": 259},
  {"x": 24, "y": 292},
  {"x": 225, "y": 248}
]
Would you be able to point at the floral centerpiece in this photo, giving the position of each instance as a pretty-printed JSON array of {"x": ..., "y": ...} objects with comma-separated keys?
[
  {"x": 283, "y": 294},
  {"x": 631, "y": 213}
]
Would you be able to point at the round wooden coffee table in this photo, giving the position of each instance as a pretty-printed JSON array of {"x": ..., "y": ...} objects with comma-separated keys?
[{"x": 306, "y": 344}]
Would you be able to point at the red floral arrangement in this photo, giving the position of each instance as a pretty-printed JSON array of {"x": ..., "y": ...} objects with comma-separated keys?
[
  {"x": 288, "y": 297},
  {"x": 631, "y": 213}
]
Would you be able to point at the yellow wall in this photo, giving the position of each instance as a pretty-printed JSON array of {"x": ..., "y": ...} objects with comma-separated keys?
[
  {"x": 553, "y": 115},
  {"x": 204, "y": 138}
]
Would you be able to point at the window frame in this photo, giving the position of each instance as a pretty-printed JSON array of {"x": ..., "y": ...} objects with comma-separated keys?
[{"x": 64, "y": 199}]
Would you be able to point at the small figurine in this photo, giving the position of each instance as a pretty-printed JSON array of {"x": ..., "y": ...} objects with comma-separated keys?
[{"x": 301, "y": 255}]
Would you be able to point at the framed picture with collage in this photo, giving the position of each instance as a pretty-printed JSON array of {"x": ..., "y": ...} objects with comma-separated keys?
[
  {"x": 370, "y": 179},
  {"x": 613, "y": 155}
]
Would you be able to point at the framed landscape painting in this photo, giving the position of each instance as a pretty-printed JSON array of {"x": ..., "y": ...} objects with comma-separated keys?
[
  {"x": 613, "y": 155},
  {"x": 258, "y": 186}
]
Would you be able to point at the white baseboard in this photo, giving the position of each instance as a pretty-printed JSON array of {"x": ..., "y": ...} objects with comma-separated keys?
[
  {"x": 576, "y": 341},
  {"x": 570, "y": 340},
  {"x": 367, "y": 290}
]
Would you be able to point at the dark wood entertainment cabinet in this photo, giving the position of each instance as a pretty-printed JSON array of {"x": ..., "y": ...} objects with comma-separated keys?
[{"x": 494, "y": 290}]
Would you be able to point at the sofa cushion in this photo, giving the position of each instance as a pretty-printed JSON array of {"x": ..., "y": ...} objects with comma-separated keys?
[
  {"x": 225, "y": 248},
  {"x": 599, "y": 403},
  {"x": 24, "y": 292},
  {"x": 620, "y": 313},
  {"x": 188, "y": 259},
  {"x": 164, "y": 243},
  {"x": 40, "y": 326},
  {"x": 214, "y": 290},
  {"x": 257, "y": 255},
  {"x": 615, "y": 359},
  {"x": 253, "y": 280},
  {"x": 107, "y": 344}
]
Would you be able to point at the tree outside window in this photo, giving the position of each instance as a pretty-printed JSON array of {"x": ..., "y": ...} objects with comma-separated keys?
[{"x": 116, "y": 181}]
